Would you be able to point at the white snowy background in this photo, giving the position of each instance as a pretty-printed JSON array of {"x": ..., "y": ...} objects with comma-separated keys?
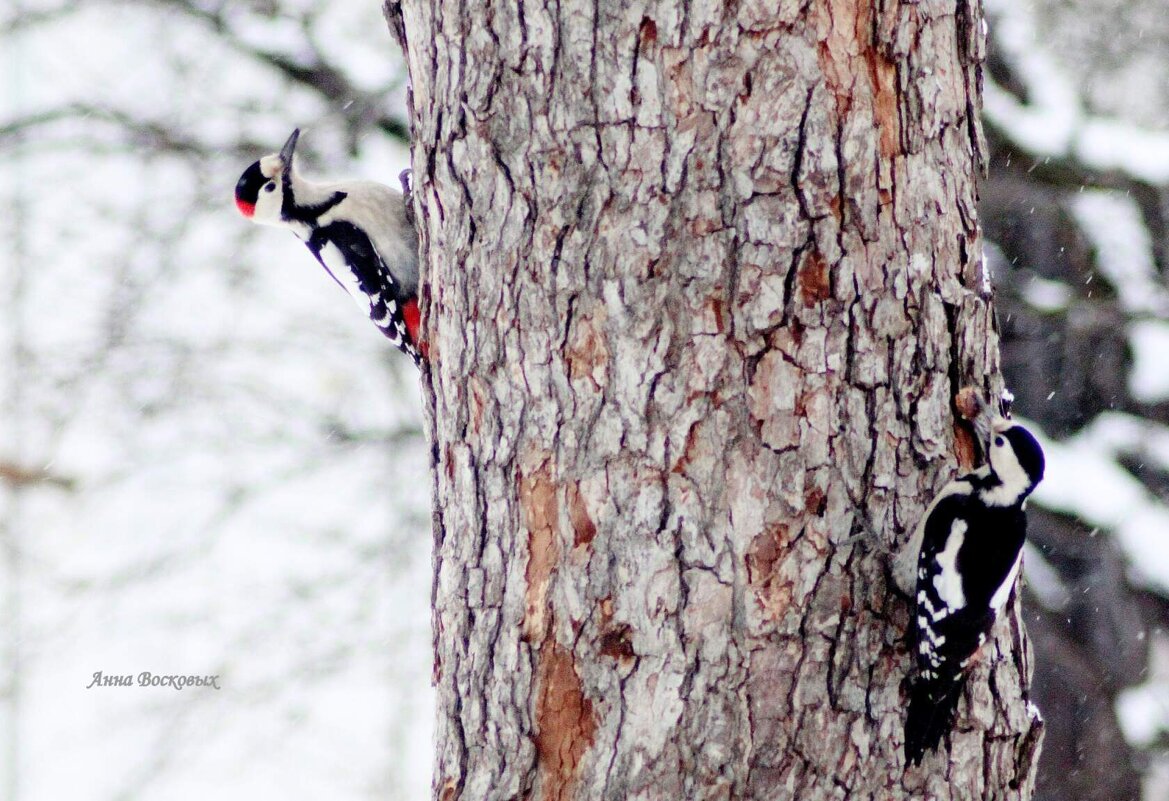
[
  {"x": 210, "y": 465},
  {"x": 234, "y": 479},
  {"x": 1079, "y": 91}
]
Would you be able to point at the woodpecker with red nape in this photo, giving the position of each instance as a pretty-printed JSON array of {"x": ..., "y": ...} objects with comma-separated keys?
[
  {"x": 360, "y": 231},
  {"x": 959, "y": 568}
]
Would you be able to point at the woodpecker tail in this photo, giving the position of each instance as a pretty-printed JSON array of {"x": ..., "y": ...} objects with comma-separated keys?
[{"x": 932, "y": 705}]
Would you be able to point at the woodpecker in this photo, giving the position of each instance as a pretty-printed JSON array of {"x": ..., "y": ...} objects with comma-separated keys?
[
  {"x": 360, "y": 231},
  {"x": 960, "y": 567}
]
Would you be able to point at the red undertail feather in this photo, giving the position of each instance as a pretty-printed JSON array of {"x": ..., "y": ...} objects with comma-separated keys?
[
  {"x": 413, "y": 320},
  {"x": 245, "y": 208}
]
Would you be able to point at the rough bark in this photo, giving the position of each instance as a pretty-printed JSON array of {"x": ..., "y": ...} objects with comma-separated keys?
[{"x": 703, "y": 281}]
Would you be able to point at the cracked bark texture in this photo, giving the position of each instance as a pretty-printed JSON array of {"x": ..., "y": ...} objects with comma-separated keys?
[{"x": 703, "y": 280}]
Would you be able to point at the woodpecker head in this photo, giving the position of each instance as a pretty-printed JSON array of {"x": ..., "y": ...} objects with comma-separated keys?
[
  {"x": 1016, "y": 460},
  {"x": 260, "y": 192}
]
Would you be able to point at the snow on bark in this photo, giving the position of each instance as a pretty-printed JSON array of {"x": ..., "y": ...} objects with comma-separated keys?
[{"x": 704, "y": 279}]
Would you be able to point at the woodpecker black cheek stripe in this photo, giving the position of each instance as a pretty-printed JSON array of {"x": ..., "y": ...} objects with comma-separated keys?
[{"x": 359, "y": 231}]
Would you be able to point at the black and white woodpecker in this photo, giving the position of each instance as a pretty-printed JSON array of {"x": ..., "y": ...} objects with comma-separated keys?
[
  {"x": 959, "y": 568},
  {"x": 360, "y": 232}
]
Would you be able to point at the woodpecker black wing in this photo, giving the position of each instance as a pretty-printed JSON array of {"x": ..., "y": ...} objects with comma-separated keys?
[
  {"x": 942, "y": 629},
  {"x": 347, "y": 254},
  {"x": 949, "y": 616}
]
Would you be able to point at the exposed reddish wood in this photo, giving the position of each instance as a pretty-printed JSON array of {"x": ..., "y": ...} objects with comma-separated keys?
[
  {"x": 587, "y": 354},
  {"x": 886, "y": 102},
  {"x": 648, "y": 30},
  {"x": 710, "y": 263},
  {"x": 537, "y": 498},
  {"x": 965, "y": 449},
  {"x": 565, "y": 724},
  {"x": 583, "y": 527},
  {"x": 816, "y": 501},
  {"x": 764, "y": 560},
  {"x": 478, "y": 401},
  {"x": 969, "y": 404},
  {"x": 617, "y": 642},
  {"x": 812, "y": 279},
  {"x": 846, "y": 26}
]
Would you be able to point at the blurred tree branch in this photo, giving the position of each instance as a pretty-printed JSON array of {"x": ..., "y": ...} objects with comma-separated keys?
[
  {"x": 362, "y": 109},
  {"x": 310, "y": 67},
  {"x": 16, "y": 475}
]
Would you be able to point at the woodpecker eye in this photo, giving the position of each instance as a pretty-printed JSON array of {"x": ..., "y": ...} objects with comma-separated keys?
[
  {"x": 270, "y": 186},
  {"x": 998, "y": 441}
]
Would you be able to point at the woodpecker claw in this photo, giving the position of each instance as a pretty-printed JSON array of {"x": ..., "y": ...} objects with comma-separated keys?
[{"x": 405, "y": 178}]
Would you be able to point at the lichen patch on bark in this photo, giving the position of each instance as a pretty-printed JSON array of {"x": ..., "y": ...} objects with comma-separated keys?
[{"x": 813, "y": 279}]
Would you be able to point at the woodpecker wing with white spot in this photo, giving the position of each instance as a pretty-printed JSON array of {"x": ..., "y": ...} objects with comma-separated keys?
[
  {"x": 969, "y": 554},
  {"x": 347, "y": 254}
]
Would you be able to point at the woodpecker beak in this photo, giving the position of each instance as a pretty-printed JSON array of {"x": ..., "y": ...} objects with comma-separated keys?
[
  {"x": 986, "y": 425},
  {"x": 286, "y": 152}
]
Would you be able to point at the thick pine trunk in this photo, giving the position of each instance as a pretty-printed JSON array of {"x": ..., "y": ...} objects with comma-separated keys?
[{"x": 704, "y": 279}]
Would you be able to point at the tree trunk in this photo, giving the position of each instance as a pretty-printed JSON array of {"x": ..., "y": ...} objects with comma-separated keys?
[{"x": 704, "y": 279}]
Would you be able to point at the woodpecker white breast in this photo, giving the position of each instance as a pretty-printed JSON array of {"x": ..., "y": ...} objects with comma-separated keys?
[
  {"x": 960, "y": 567},
  {"x": 359, "y": 231}
]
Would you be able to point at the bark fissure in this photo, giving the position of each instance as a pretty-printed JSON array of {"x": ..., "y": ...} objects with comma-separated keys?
[{"x": 703, "y": 278}]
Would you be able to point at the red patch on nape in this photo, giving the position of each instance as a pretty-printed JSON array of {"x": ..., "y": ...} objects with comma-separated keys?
[
  {"x": 413, "y": 319},
  {"x": 245, "y": 208}
]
